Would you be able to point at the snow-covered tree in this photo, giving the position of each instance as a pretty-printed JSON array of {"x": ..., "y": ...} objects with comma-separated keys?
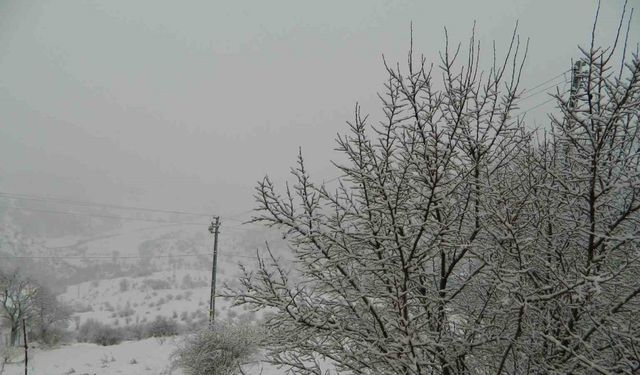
[
  {"x": 578, "y": 278},
  {"x": 21, "y": 297},
  {"x": 49, "y": 317},
  {"x": 17, "y": 295},
  {"x": 458, "y": 241}
]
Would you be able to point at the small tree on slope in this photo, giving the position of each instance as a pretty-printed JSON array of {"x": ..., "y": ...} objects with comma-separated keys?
[
  {"x": 458, "y": 243},
  {"x": 17, "y": 295}
]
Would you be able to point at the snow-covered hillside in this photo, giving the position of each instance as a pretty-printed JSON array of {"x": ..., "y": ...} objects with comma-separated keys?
[
  {"x": 128, "y": 278},
  {"x": 182, "y": 295}
]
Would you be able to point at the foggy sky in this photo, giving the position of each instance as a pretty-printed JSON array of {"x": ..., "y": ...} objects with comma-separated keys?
[{"x": 185, "y": 104}]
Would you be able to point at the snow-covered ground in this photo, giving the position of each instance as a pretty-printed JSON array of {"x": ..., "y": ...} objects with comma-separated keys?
[
  {"x": 182, "y": 295},
  {"x": 175, "y": 288},
  {"x": 149, "y": 356}
]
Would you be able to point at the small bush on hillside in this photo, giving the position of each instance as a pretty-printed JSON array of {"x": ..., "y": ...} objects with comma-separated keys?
[
  {"x": 9, "y": 354},
  {"x": 189, "y": 283},
  {"x": 54, "y": 335},
  {"x": 196, "y": 325},
  {"x": 156, "y": 284},
  {"x": 184, "y": 316},
  {"x": 161, "y": 327},
  {"x": 107, "y": 306},
  {"x": 49, "y": 318},
  {"x": 220, "y": 351},
  {"x": 99, "y": 333},
  {"x": 107, "y": 335},
  {"x": 87, "y": 330},
  {"x": 124, "y": 285},
  {"x": 127, "y": 311},
  {"x": 80, "y": 307},
  {"x": 136, "y": 332}
]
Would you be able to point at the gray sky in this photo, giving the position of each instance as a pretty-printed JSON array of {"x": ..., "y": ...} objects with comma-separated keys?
[{"x": 185, "y": 104}]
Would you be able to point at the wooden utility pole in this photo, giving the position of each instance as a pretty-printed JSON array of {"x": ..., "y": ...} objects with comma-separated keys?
[
  {"x": 576, "y": 80},
  {"x": 26, "y": 346},
  {"x": 214, "y": 229},
  {"x": 576, "y": 83}
]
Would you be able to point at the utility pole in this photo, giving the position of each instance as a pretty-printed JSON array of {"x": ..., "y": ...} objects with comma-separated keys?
[
  {"x": 214, "y": 229},
  {"x": 576, "y": 80},
  {"x": 26, "y": 346},
  {"x": 576, "y": 83}
]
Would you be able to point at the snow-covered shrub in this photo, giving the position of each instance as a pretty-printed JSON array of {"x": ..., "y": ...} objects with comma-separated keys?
[
  {"x": 124, "y": 285},
  {"x": 99, "y": 333},
  {"x": 127, "y": 311},
  {"x": 189, "y": 283},
  {"x": 156, "y": 284},
  {"x": 106, "y": 335},
  {"x": 79, "y": 307},
  {"x": 107, "y": 306},
  {"x": 9, "y": 354},
  {"x": 136, "y": 331},
  {"x": 162, "y": 326},
  {"x": 53, "y": 335},
  {"x": 220, "y": 351}
]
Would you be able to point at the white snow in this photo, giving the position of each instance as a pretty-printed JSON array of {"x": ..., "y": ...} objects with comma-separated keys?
[{"x": 149, "y": 356}]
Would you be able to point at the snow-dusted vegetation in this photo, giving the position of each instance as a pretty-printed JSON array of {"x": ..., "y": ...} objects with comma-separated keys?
[
  {"x": 459, "y": 240},
  {"x": 457, "y": 237},
  {"x": 127, "y": 324}
]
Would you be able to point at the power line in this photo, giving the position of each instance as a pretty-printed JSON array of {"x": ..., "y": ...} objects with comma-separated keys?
[
  {"x": 102, "y": 216},
  {"x": 118, "y": 257},
  {"x": 29, "y": 197},
  {"x": 544, "y": 90},
  {"x": 548, "y": 100},
  {"x": 538, "y": 105},
  {"x": 40, "y": 198},
  {"x": 549, "y": 80},
  {"x": 97, "y": 256},
  {"x": 96, "y": 204},
  {"x": 333, "y": 179},
  {"x": 234, "y": 217}
]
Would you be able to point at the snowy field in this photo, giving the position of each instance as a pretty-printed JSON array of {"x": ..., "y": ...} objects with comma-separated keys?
[
  {"x": 149, "y": 356},
  {"x": 174, "y": 288},
  {"x": 181, "y": 295}
]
